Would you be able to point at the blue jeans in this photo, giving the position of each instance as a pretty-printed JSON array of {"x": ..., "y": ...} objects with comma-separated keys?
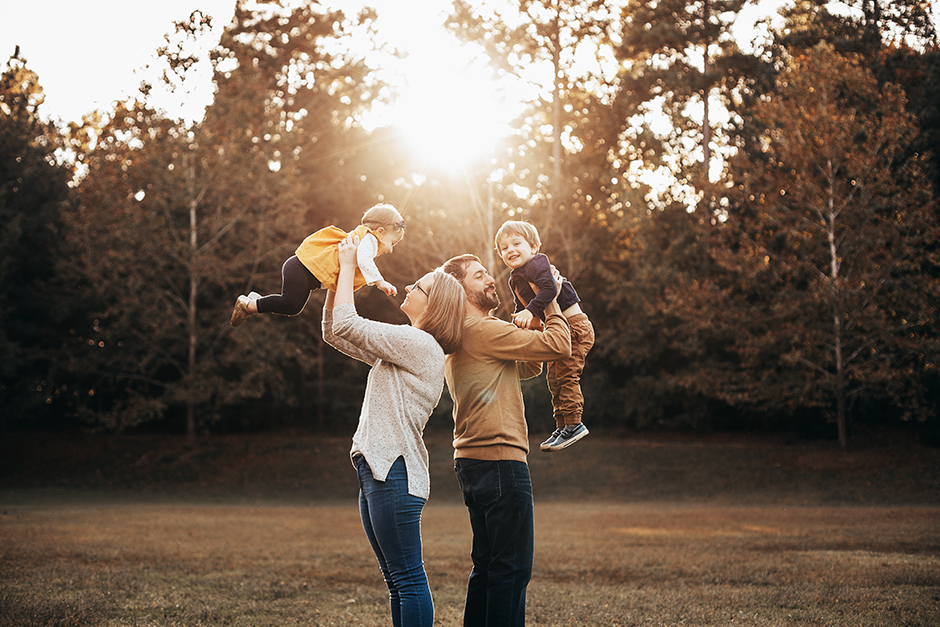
[
  {"x": 498, "y": 495},
  {"x": 392, "y": 521}
]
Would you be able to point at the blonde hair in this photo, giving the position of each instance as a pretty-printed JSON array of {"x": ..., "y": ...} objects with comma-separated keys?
[
  {"x": 444, "y": 316},
  {"x": 385, "y": 216},
  {"x": 525, "y": 230}
]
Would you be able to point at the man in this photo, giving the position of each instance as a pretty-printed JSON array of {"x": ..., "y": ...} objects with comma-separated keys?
[{"x": 491, "y": 442}]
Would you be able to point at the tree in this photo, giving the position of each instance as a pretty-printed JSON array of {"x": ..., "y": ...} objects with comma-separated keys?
[
  {"x": 177, "y": 219},
  {"x": 898, "y": 42},
  {"x": 830, "y": 230},
  {"x": 542, "y": 32},
  {"x": 33, "y": 191},
  {"x": 867, "y": 28},
  {"x": 555, "y": 169},
  {"x": 675, "y": 53}
]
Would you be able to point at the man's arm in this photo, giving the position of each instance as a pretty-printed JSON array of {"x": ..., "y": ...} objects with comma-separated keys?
[{"x": 510, "y": 343}]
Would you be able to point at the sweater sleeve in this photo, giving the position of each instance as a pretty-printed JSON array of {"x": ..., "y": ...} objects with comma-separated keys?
[
  {"x": 392, "y": 343},
  {"x": 365, "y": 258},
  {"x": 528, "y": 369},
  {"x": 341, "y": 344},
  {"x": 508, "y": 342}
]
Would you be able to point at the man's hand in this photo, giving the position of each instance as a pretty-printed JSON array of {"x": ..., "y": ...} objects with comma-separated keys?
[
  {"x": 558, "y": 280},
  {"x": 525, "y": 320}
]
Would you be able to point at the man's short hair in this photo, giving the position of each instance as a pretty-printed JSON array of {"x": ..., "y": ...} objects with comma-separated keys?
[{"x": 457, "y": 266}]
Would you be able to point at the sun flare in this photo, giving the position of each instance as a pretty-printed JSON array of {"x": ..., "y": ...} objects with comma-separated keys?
[
  {"x": 451, "y": 107},
  {"x": 451, "y": 117}
]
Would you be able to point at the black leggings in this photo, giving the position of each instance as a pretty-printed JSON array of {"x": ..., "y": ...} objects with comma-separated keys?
[{"x": 296, "y": 284}]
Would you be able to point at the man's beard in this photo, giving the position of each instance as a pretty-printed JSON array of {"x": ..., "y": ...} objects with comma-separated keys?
[{"x": 483, "y": 300}]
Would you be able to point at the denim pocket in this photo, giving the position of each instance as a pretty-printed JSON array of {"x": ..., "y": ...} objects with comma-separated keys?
[{"x": 479, "y": 481}]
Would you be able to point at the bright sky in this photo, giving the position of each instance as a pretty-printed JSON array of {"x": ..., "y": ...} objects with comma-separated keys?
[{"x": 89, "y": 53}]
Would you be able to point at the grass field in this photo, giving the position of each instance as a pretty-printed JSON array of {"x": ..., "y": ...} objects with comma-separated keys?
[{"x": 628, "y": 532}]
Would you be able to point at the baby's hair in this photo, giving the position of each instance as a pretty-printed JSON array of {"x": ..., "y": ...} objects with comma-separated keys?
[
  {"x": 383, "y": 215},
  {"x": 525, "y": 230}
]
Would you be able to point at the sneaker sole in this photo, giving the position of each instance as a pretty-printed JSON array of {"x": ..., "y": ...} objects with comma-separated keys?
[
  {"x": 546, "y": 445},
  {"x": 560, "y": 444}
]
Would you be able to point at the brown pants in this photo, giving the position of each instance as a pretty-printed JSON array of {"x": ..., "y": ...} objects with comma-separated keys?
[{"x": 564, "y": 376}]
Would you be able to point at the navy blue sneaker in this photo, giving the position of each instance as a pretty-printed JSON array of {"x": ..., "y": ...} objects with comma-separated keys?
[{"x": 568, "y": 436}]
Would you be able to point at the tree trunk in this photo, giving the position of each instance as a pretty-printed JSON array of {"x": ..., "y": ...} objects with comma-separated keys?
[
  {"x": 193, "y": 292},
  {"x": 555, "y": 187},
  {"x": 489, "y": 256},
  {"x": 706, "y": 126},
  {"x": 841, "y": 420},
  {"x": 837, "y": 313}
]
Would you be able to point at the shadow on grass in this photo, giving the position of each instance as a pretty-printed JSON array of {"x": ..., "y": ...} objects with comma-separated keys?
[{"x": 304, "y": 468}]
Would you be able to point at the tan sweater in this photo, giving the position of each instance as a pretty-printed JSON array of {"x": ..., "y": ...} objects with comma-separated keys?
[
  {"x": 483, "y": 378},
  {"x": 404, "y": 386}
]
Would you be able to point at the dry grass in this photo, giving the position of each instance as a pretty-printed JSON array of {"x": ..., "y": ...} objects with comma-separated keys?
[
  {"x": 132, "y": 563},
  {"x": 264, "y": 530}
]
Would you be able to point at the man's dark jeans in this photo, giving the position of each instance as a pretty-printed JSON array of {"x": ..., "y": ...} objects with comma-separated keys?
[{"x": 498, "y": 495}]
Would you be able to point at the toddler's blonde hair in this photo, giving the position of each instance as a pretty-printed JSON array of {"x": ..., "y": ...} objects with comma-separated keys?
[{"x": 525, "y": 230}]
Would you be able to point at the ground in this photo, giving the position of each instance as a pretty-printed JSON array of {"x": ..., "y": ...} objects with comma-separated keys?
[{"x": 263, "y": 530}]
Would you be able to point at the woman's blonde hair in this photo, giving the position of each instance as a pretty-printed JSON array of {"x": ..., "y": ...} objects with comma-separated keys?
[
  {"x": 383, "y": 215},
  {"x": 444, "y": 316}
]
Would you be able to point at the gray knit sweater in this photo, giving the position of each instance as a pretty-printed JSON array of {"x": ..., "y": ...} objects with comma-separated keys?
[{"x": 404, "y": 386}]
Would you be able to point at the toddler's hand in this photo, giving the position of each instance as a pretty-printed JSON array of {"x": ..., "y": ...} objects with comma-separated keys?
[{"x": 387, "y": 287}]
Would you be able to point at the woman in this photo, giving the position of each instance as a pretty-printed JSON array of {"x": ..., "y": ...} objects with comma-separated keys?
[{"x": 404, "y": 386}]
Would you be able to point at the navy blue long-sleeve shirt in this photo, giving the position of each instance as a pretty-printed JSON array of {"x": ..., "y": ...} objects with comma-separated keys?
[{"x": 538, "y": 270}]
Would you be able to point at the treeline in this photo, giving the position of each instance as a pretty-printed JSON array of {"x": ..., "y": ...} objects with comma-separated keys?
[{"x": 767, "y": 260}]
